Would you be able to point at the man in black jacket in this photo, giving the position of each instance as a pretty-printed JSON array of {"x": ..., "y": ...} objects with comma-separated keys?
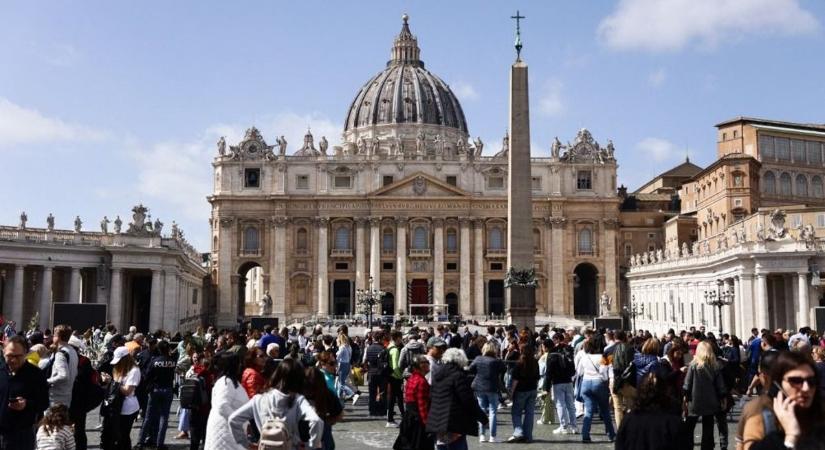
[
  {"x": 377, "y": 381},
  {"x": 24, "y": 393},
  {"x": 160, "y": 377},
  {"x": 622, "y": 391},
  {"x": 454, "y": 411},
  {"x": 559, "y": 378}
]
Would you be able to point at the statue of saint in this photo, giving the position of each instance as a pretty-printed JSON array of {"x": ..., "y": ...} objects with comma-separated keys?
[
  {"x": 175, "y": 230},
  {"x": 50, "y": 222},
  {"x": 374, "y": 147},
  {"x": 555, "y": 149},
  {"x": 158, "y": 226},
  {"x": 265, "y": 305},
  {"x": 610, "y": 150},
  {"x": 118, "y": 224},
  {"x": 419, "y": 144},
  {"x": 77, "y": 224},
  {"x": 222, "y": 146},
  {"x": 439, "y": 146},
  {"x": 323, "y": 145},
  {"x": 604, "y": 302},
  {"x": 104, "y": 225},
  {"x": 362, "y": 145},
  {"x": 461, "y": 146},
  {"x": 479, "y": 146},
  {"x": 23, "y": 219},
  {"x": 281, "y": 142}
]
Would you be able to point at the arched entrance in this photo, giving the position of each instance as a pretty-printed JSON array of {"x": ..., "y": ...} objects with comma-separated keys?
[
  {"x": 388, "y": 305},
  {"x": 250, "y": 288},
  {"x": 495, "y": 297},
  {"x": 452, "y": 304},
  {"x": 585, "y": 288}
]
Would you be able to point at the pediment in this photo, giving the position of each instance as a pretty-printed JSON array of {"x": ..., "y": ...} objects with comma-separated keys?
[{"x": 419, "y": 184}]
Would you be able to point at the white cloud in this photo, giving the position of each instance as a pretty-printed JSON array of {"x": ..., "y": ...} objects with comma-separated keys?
[
  {"x": 657, "y": 149},
  {"x": 550, "y": 101},
  {"x": 657, "y": 78},
  {"x": 465, "y": 91},
  {"x": 655, "y": 25},
  {"x": 20, "y": 125}
]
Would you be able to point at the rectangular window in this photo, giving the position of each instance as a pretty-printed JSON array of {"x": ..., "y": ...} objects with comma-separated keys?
[
  {"x": 388, "y": 266},
  {"x": 386, "y": 180},
  {"x": 343, "y": 182},
  {"x": 737, "y": 202},
  {"x": 783, "y": 149},
  {"x": 796, "y": 220},
  {"x": 495, "y": 183},
  {"x": 651, "y": 235},
  {"x": 341, "y": 266},
  {"x": 628, "y": 250},
  {"x": 536, "y": 183},
  {"x": 496, "y": 266},
  {"x": 820, "y": 220},
  {"x": 252, "y": 178},
  {"x": 584, "y": 180},
  {"x": 194, "y": 296},
  {"x": 452, "y": 180},
  {"x": 301, "y": 181},
  {"x": 798, "y": 150},
  {"x": 766, "y": 147},
  {"x": 452, "y": 267},
  {"x": 814, "y": 152}
]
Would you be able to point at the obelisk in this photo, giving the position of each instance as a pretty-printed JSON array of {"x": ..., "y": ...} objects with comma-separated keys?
[{"x": 520, "y": 280}]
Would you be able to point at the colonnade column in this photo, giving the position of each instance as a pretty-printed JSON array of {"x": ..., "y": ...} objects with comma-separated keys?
[
  {"x": 762, "y": 317},
  {"x": 360, "y": 253},
  {"x": 375, "y": 251},
  {"x": 464, "y": 305},
  {"x": 74, "y": 286},
  {"x": 156, "y": 302},
  {"x": 322, "y": 305},
  {"x": 16, "y": 307},
  {"x": 804, "y": 304},
  {"x": 401, "y": 265},
  {"x": 116, "y": 298},
  {"x": 728, "y": 313},
  {"x": 46, "y": 297},
  {"x": 277, "y": 281},
  {"x": 557, "y": 257},
  {"x": 170, "y": 300},
  {"x": 438, "y": 263},
  {"x": 738, "y": 328},
  {"x": 547, "y": 255},
  {"x": 478, "y": 268}
]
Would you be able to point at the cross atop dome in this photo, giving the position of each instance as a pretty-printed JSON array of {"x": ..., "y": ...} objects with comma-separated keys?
[{"x": 405, "y": 47}]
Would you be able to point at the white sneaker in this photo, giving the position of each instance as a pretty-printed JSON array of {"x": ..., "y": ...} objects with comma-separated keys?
[
  {"x": 493, "y": 440},
  {"x": 541, "y": 422},
  {"x": 571, "y": 430},
  {"x": 482, "y": 438},
  {"x": 355, "y": 399},
  {"x": 391, "y": 425},
  {"x": 560, "y": 430}
]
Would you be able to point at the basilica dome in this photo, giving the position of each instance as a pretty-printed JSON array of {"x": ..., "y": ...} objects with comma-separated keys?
[{"x": 405, "y": 93}]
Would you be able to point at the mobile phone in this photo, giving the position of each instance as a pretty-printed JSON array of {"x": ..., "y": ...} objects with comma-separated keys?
[{"x": 775, "y": 389}]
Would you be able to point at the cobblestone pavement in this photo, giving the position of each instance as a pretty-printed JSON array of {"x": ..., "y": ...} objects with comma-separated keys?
[{"x": 360, "y": 432}]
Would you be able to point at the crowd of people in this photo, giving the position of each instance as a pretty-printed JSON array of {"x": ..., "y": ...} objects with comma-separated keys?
[{"x": 437, "y": 386}]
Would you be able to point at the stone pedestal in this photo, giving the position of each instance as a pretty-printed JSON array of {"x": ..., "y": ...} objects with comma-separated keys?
[{"x": 522, "y": 312}]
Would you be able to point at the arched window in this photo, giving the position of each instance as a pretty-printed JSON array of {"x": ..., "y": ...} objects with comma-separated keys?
[
  {"x": 301, "y": 239},
  {"x": 342, "y": 238},
  {"x": 536, "y": 240},
  {"x": 769, "y": 183},
  {"x": 801, "y": 185},
  {"x": 496, "y": 239},
  {"x": 585, "y": 242},
  {"x": 420, "y": 240},
  {"x": 387, "y": 240},
  {"x": 816, "y": 184},
  {"x": 250, "y": 239},
  {"x": 785, "y": 184},
  {"x": 452, "y": 240}
]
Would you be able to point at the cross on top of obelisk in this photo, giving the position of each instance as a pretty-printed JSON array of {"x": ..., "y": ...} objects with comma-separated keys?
[{"x": 518, "y": 18}]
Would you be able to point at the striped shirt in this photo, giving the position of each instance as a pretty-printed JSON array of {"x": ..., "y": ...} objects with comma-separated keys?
[{"x": 62, "y": 439}]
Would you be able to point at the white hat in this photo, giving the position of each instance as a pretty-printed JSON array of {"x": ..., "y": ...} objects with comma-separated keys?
[
  {"x": 120, "y": 352},
  {"x": 271, "y": 346},
  {"x": 75, "y": 341}
]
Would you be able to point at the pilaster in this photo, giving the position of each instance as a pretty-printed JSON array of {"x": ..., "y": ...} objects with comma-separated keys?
[
  {"x": 322, "y": 280},
  {"x": 401, "y": 264},
  {"x": 478, "y": 268},
  {"x": 464, "y": 306},
  {"x": 438, "y": 261}
]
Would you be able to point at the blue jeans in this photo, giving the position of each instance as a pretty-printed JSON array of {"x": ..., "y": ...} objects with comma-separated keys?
[
  {"x": 157, "y": 417},
  {"x": 488, "y": 402},
  {"x": 596, "y": 394},
  {"x": 183, "y": 419},
  {"x": 344, "y": 391},
  {"x": 458, "y": 444},
  {"x": 565, "y": 404},
  {"x": 524, "y": 403}
]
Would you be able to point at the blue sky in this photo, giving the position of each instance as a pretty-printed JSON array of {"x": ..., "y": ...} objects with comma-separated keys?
[{"x": 107, "y": 104}]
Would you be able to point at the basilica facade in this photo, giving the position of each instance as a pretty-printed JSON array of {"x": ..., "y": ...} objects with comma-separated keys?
[{"x": 408, "y": 203}]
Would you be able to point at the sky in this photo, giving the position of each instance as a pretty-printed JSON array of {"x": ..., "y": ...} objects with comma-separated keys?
[{"x": 105, "y": 104}]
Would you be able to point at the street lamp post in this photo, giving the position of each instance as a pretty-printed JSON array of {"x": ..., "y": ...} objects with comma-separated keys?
[
  {"x": 368, "y": 298},
  {"x": 718, "y": 298},
  {"x": 634, "y": 310}
]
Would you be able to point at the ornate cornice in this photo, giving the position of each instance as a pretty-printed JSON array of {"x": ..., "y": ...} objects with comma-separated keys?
[
  {"x": 322, "y": 221},
  {"x": 279, "y": 221},
  {"x": 375, "y": 220},
  {"x": 438, "y": 221},
  {"x": 557, "y": 222}
]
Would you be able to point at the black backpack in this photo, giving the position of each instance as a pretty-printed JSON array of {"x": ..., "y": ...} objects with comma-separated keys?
[
  {"x": 384, "y": 363},
  {"x": 409, "y": 357},
  {"x": 193, "y": 393},
  {"x": 87, "y": 392},
  {"x": 566, "y": 363}
]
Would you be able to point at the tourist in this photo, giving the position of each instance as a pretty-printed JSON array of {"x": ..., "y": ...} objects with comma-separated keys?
[
  {"x": 453, "y": 410},
  {"x": 594, "y": 390},
  {"x": 228, "y": 395},
  {"x": 818, "y": 354},
  {"x": 63, "y": 367},
  {"x": 201, "y": 369},
  {"x": 525, "y": 378},
  {"x": 252, "y": 378},
  {"x": 655, "y": 420},
  {"x": 117, "y": 425},
  {"x": 345, "y": 390},
  {"x": 790, "y": 419},
  {"x": 284, "y": 399},
  {"x": 411, "y": 350},
  {"x": 622, "y": 388},
  {"x": 705, "y": 392},
  {"x": 488, "y": 370},
  {"x": 55, "y": 431},
  {"x": 548, "y": 409},
  {"x": 435, "y": 350},
  {"x": 395, "y": 394},
  {"x": 323, "y": 398},
  {"x": 376, "y": 380},
  {"x": 159, "y": 380},
  {"x": 25, "y": 393},
  {"x": 267, "y": 338},
  {"x": 412, "y": 434},
  {"x": 475, "y": 347},
  {"x": 560, "y": 371}
]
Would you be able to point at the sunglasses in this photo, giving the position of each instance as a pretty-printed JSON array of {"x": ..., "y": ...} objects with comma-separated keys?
[{"x": 798, "y": 381}]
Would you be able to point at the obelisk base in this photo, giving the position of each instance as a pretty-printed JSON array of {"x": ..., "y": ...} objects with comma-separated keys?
[{"x": 522, "y": 312}]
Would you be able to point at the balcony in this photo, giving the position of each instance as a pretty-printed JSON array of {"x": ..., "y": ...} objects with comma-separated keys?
[
  {"x": 250, "y": 252},
  {"x": 302, "y": 251},
  {"x": 341, "y": 253},
  {"x": 419, "y": 253},
  {"x": 388, "y": 252},
  {"x": 451, "y": 251},
  {"x": 496, "y": 252}
]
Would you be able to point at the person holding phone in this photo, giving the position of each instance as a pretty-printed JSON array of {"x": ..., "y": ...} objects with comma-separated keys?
[
  {"x": 24, "y": 393},
  {"x": 793, "y": 410}
]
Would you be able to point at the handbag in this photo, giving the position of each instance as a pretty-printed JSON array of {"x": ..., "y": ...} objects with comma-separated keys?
[{"x": 577, "y": 386}]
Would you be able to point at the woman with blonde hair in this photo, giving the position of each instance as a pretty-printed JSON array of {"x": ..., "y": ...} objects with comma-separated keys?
[
  {"x": 705, "y": 391},
  {"x": 120, "y": 406},
  {"x": 345, "y": 390},
  {"x": 487, "y": 369}
]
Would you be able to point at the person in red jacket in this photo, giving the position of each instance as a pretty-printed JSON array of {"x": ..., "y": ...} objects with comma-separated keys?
[
  {"x": 253, "y": 379},
  {"x": 417, "y": 407}
]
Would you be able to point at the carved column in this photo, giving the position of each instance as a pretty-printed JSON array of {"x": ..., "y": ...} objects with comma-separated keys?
[
  {"x": 478, "y": 268},
  {"x": 401, "y": 265},
  {"x": 156, "y": 302},
  {"x": 375, "y": 251},
  {"x": 74, "y": 286},
  {"x": 762, "y": 301},
  {"x": 804, "y": 303},
  {"x": 46, "y": 296},
  {"x": 170, "y": 300},
  {"x": 549, "y": 268},
  {"x": 465, "y": 308},
  {"x": 322, "y": 306},
  {"x": 438, "y": 261},
  {"x": 16, "y": 307},
  {"x": 360, "y": 253},
  {"x": 728, "y": 313},
  {"x": 278, "y": 267},
  {"x": 116, "y": 298},
  {"x": 738, "y": 327},
  {"x": 559, "y": 283}
]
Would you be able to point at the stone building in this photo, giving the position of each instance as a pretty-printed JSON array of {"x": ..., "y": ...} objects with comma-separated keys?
[
  {"x": 756, "y": 212},
  {"x": 146, "y": 278},
  {"x": 408, "y": 200}
]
